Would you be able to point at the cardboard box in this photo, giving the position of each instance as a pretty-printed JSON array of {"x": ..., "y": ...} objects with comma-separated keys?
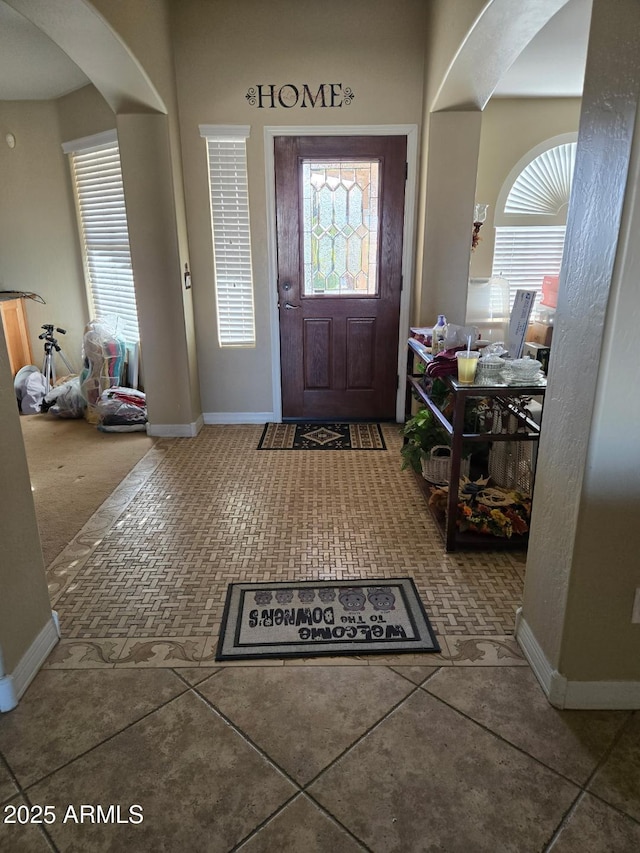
[
  {"x": 538, "y": 352},
  {"x": 540, "y": 333}
]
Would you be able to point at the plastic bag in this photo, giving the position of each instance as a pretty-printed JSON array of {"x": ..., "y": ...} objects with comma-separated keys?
[
  {"x": 103, "y": 351},
  {"x": 458, "y": 336},
  {"x": 121, "y": 410},
  {"x": 65, "y": 400},
  {"x": 34, "y": 389}
]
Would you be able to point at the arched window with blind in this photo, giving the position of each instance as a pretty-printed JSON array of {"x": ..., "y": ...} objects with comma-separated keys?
[{"x": 531, "y": 215}]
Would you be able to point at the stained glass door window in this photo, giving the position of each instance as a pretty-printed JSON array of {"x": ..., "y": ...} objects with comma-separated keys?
[{"x": 341, "y": 221}]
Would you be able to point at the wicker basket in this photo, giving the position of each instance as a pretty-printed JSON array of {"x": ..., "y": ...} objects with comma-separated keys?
[{"x": 436, "y": 465}]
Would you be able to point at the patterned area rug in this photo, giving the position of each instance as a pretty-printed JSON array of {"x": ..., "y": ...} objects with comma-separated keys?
[
  {"x": 322, "y": 437},
  {"x": 312, "y": 618}
]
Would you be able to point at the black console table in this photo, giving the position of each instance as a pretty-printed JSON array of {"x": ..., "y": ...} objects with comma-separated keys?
[{"x": 508, "y": 395}]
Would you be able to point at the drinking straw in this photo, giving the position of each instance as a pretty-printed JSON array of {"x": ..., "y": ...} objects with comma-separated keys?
[{"x": 468, "y": 344}]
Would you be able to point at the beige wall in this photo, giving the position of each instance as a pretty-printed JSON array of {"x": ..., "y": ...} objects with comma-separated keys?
[
  {"x": 608, "y": 537},
  {"x": 510, "y": 129},
  {"x": 582, "y": 565},
  {"x": 83, "y": 113},
  {"x": 451, "y": 173},
  {"x": 450, "y": 22},
  {"x": 39, "y": 249},
  {"x": 22, "y": 579},
  {"x": 146, "y": 28},
  {"x": 146, "y": 162},
  {"x": 224, "y": 48}
]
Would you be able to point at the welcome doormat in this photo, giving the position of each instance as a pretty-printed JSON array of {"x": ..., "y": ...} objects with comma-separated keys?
[
  {"x": 322, "y": 437},
  {"x": 312, "y": 618}
]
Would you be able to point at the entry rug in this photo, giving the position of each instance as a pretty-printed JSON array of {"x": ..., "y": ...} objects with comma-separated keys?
[
  {"x": 312, "y": 618},
  {"x": 322, "y": 437}
]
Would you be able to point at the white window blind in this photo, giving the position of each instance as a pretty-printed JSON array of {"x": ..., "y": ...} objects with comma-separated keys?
[
  {"x": 530, "y": 226},
  {"x": 97, "y": 178},
  {"x": 228, "y": 187},
  {"x": 525, "y": 254},
  {"x": 544, "y": 186}
]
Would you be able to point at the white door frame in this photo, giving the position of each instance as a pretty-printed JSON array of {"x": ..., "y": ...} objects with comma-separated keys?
[{"x": 411, "y": 132}]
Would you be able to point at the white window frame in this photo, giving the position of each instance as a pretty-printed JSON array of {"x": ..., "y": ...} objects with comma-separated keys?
[
  {"x": 528, "y": 245},
  {"x": 231, "y": 233},
  {"x": 104, "y": 233}
]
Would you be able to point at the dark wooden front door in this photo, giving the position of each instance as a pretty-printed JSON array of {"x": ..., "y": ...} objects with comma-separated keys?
[{"x": 340, "y": 213}]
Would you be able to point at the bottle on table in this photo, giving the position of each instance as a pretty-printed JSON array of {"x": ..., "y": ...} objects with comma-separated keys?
[{"x": 438, "y": 335}]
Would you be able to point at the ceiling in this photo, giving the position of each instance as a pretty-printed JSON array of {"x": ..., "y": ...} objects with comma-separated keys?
[{"x": 32, "y": 67}]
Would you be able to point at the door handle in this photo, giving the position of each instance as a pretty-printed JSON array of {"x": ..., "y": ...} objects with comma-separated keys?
[{"x": 289, "y": 306}]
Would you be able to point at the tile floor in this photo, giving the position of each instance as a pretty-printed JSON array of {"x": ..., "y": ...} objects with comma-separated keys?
[
  {"x": 322, "y": 758},
  {"x": 452, "y": 752},
  {"x": 196, "y": 514}
]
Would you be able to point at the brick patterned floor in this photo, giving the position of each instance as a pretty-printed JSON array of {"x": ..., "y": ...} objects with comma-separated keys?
[{"x": 217, "y": 510}]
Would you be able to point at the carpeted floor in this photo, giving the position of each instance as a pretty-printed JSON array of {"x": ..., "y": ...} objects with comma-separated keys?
[{"x": 73, "y": 469}]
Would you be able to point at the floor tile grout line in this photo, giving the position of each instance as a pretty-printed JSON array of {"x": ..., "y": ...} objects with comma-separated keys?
[
  {"x": 5, "y": 762},
  {"x": 260, "y": 826},
  {"x": 429, "y": 677},
  {"x": 361, "y": 737},
  {"x": 298, "y": 794},
  {"x": 176, "y": 670},
  {"x": 585, "y": 789},
  {"x": 564, "y": 820},
  {"x": 613, "y": 806},
  {"x": 302, "y": 788},
  {"x": 52, "y": 845},
  {"x": 409, "y": 680},
  {"x": 105, "y": 740},
  {"x": 504, "y": 740},
  {"x": 244, "y": 736},
  {"x": 21, "y": 792},
  {"x": 607, "y": 753},
  {"x": 603, "y": 760},
  {"x": 332, "y": 817}
]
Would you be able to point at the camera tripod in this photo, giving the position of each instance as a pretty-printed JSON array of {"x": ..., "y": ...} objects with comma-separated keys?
[{"x": 51, "y": 347}]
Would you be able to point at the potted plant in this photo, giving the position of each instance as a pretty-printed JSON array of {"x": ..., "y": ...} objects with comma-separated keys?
[
  {"x": 421, "y": 434},
  {"x": 426, "y": 445}
]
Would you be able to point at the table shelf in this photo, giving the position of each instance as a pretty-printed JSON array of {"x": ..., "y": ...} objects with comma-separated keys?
[{"x": 507, "y": 397}]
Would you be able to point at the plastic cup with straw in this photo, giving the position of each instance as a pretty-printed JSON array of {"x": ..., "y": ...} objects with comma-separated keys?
[{"x": 467, "y": 363}]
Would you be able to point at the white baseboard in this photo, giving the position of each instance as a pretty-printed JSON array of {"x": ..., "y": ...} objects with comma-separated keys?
[
  {"x": 553, "y": 684},
  {"x": 176, "y": 430},
  {"x": 14, "y": 685},
  {"x": 574, "y": 695},
  {"x": 239, "y": 417}
]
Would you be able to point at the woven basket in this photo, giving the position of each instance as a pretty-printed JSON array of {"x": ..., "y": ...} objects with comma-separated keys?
[{"x": 436, "y": 466}]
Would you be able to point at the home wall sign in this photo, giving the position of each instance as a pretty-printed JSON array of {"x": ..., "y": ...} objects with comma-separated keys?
[{"x": 271, "y": 96}]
